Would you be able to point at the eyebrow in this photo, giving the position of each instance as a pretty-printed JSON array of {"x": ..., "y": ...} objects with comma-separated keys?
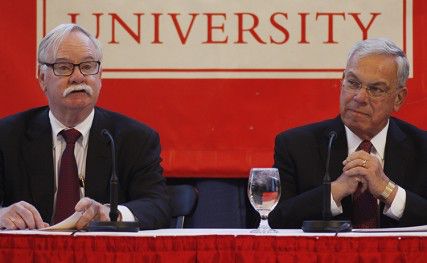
[
  {"x": 87, "y": 58},
  {"x": 351, "y": 74}
]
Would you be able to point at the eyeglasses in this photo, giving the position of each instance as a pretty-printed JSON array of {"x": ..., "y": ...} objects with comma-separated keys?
[
  {"x": 375, "y": 90},
  {"x": 66, "y": 68}
]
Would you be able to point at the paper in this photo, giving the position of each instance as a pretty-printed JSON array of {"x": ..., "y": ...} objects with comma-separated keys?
[
  {"x": 67, "y": 224},
  {"x": 422, "y": 228}
]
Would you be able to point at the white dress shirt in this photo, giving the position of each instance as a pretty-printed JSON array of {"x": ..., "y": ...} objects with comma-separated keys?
[
  {"x": 395, "y": 210},
  {"x": 80, "y": 152}
]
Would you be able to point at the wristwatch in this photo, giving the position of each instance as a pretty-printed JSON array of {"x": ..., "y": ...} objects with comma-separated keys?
[{"x": 388, "y": 190}]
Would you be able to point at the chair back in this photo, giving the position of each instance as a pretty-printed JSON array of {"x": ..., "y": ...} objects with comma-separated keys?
[{"x": 183, "y": 200}]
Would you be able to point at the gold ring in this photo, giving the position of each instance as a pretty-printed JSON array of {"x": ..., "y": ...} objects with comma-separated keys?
[{"x": 364, "y": 163}]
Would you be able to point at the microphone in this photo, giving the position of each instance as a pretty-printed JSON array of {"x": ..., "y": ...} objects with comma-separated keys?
[
  {"x": 114, "y": 212},
  {"x": 327, "y": 225},
  {"x": 326, "y": 209},
  {"x": 113, "y": 225}
]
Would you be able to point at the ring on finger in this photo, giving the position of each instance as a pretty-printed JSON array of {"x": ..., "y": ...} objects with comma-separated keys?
[{"x": 364, "y": 163}]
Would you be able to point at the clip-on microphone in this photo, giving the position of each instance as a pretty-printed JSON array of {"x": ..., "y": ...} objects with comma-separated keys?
[
  {"x": 327, "y": 225},
  {"x": 113, "y": 225}
]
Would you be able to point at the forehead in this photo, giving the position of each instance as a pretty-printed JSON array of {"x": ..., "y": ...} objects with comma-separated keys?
[
  {"x": 373, "y": 67},
  {"x": 76, "y": 47}
]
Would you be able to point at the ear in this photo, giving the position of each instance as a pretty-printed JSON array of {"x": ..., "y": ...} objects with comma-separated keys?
[
  {"x": 400, "y": 98},
  {"x": 41, "y": 75}
]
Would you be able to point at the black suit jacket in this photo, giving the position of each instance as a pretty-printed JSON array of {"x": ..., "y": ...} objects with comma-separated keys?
[
  {"x": 27, "y": 173},
  {"x": 300, "y": 156}
]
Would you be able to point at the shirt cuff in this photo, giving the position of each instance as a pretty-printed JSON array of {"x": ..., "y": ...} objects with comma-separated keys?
[
  {"x": 395, "y": 210},
  {"x": 127, "y": 215},
  {"x": 335, "y": 209}
]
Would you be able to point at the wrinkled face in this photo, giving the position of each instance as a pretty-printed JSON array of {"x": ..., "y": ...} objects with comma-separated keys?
[
  {"x": 363, "y": 114},
  {"x": 75, "y": 48}
]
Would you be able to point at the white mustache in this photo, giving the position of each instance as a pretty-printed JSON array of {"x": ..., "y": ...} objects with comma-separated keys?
[{"x": 78, "y": 87}]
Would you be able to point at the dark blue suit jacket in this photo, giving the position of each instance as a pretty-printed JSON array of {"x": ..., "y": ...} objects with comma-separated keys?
[
  {"x": 300, "y": 156},
  {"x": 26, "y": 165}
]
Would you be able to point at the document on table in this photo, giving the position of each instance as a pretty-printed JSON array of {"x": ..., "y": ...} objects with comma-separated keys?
[
  {"x": 422, "y": 228},
  {"x": 67, "y": 224}
]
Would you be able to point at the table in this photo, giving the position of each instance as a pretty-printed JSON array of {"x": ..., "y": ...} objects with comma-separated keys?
[{"x": 211, "y": 245}]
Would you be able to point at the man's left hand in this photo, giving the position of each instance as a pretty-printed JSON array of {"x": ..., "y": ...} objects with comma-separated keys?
[{"x": 92, "y": 210}]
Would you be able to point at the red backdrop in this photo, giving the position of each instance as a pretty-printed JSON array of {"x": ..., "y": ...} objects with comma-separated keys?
[{"x": 214, "y": 128}]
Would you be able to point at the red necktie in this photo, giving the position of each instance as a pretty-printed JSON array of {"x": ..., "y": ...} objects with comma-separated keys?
[
  {"x": 68, "y": 193},
  {"x": 365, "y": 205}
]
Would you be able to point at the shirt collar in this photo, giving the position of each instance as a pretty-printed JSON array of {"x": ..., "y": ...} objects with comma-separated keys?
[
  {"x": 378, "y": 141},
  {"x": 83, "y": 127}
]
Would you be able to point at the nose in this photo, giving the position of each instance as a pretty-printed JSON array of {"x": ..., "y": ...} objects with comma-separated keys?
[
  {"x": 361, "y": 95},
  {"x": 77, "y": 76}
]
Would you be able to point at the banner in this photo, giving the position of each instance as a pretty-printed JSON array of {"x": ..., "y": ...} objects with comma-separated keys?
[
  {"x": 230, "y": 39},
  {"x": 217, "y": 79}
]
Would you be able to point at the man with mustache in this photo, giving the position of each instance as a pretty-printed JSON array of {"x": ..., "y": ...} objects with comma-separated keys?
[
  {"x": 54, "y": 160},
  {"x": 378, "y": 163}
]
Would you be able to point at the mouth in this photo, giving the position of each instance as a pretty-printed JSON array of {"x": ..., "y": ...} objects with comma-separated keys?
[
  {"x": 77, "y": 91},
  {"x": 358, "y": 112}
]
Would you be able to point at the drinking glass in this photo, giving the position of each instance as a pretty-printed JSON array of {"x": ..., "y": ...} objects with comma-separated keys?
[{"x": 264, "y": 194}]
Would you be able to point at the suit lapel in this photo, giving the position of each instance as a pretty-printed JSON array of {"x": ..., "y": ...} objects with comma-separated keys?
[
  {"x": 396, "y": 154},
  {"x": 38, "y": 162},
  {"x": 98, "y": 160}
]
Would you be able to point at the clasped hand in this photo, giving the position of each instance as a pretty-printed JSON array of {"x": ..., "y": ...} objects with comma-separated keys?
[
  {"x": 22, "y": 215},
  {"x": 359, "y": 168}
]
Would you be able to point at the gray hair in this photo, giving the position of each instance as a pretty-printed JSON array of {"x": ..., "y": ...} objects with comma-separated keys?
[
  {"x": 383, "y": 46},
  {"x": 51, "y": 42}
]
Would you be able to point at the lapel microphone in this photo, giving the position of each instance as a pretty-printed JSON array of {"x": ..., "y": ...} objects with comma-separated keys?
[
  {"x": 326, "y": 224},
  {"x": 113, "y": 225}
]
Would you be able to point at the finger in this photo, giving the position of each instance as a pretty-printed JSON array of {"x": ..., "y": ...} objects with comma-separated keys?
[
  {"x": 21, "y": 216},
  {"x": 83, "y": 204},
  {"x": 357, "y": 155},
  {"x": 36, "y": 215},
  {"x": 363, "y": 183},
  {"x": 18, "y": 222},
  {"x": 104, "y": 213},
  {"x": 355, "y": 163},
  {"x": 87, "y": 216},
  {"x": 353, "y": 185},
  {"x": 356, "y": 171},
  {"x": 8, "y": 224},
  {"x": 25, "y": 217}
]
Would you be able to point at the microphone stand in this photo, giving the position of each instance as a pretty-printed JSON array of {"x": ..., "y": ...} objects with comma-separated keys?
[
  {"x": 113, "y": 225},
  {"x": 327, "y": 225}
]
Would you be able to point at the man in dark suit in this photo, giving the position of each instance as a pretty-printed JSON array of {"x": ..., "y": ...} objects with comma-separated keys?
[
  {"x": 390, "y": 175},
  {"x": 33, "y": 146}
]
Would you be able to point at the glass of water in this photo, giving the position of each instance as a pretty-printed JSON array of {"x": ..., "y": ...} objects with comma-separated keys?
[{"x": 264, "y": 194}]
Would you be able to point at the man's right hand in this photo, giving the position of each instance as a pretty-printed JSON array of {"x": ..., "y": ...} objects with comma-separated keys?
[
  {"x": 21, "y": 215},
  {"x": 346, "y": 185}
]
